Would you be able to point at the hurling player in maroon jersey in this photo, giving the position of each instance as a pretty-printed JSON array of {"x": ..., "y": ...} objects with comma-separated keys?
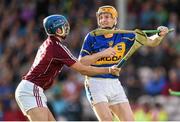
[{"x": 49, "y": 60}]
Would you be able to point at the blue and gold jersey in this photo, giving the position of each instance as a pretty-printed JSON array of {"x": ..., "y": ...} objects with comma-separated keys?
[{"x": 120, "y": 42}]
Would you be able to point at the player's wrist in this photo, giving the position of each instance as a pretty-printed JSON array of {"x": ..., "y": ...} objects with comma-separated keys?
[
  {"x": 154, "y": 36},
  {"x": 109, "y": 70},
  {"x": 159, "y": 38}
]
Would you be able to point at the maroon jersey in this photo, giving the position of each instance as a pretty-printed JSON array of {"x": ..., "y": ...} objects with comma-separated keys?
[{"x": 49, "y": 60}]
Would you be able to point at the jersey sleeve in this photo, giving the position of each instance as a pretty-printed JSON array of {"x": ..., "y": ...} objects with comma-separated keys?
[
  {"x": 87, "y": 46},
  {"x": 129, "y": 39},
  {"x": 65, "y": 56}
]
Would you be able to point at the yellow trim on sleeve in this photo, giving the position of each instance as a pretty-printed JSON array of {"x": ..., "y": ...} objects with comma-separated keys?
[
  {"x": 128, "y": 38},
  {"x": 86, "y": 52}
]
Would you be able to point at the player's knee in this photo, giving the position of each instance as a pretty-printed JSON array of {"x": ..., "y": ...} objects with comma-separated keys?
[
  {"x": 106, "y": 118},
  {"x": 38, "y": 114},
  {"x": 129, "y": 117},
  {"x": 37, "y": 117}
]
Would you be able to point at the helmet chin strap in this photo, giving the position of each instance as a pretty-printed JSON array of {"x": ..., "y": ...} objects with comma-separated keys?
[
  {"x": 113, "y": 27},
  {"x": 62, "y": 33}
]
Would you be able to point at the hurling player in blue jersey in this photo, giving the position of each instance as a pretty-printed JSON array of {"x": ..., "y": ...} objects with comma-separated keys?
[{"x": 105, "y": 92}]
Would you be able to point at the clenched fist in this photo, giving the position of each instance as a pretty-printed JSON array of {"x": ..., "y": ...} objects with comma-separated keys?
[
  {"x": 163, "y": 30},
  {"x": 114, "y": 70}
]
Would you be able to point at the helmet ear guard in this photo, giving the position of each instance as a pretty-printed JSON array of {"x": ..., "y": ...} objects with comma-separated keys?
[
  {"x": 53, "y": 22},
  {"x": 64, "y": 30}
]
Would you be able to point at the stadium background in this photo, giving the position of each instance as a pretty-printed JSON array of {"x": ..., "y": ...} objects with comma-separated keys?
[{"x": 146, "y": 77}]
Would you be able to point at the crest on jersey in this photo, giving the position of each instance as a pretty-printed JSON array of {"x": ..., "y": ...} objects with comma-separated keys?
[{"x": 119, "y": 47}]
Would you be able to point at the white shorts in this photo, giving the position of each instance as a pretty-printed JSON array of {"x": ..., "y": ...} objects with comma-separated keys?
[
  {"x": 104, "y": 90},
  {"x": 28, "y": 96}
]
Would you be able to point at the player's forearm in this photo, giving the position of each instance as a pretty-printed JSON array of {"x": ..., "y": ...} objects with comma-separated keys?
[
  {"x": 91, "y": 71},
  {"x": 90, "y": 59},
  {"x": 154, "y": 40}
]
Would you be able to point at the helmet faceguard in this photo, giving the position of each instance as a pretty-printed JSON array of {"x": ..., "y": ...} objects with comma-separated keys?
[
  {"x": 53, "y": 22},
  {"x": 107, "y": 9}
]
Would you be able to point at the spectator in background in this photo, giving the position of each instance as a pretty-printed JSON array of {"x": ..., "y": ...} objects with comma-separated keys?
[
  {"x": 156, "y": 85},
  {"x": 13, "y": 113}
]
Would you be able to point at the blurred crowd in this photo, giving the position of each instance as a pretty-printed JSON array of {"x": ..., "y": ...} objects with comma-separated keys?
[{"x": 146, "y": 77}]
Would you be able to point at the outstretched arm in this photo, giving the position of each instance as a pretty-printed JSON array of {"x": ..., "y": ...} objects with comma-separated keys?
[
  {"x": 155, "y": 40},
  {"x": 91, "y": 71}
]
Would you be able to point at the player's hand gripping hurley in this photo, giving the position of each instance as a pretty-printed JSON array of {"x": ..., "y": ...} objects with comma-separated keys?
[{"x": 140, "y": 40}]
